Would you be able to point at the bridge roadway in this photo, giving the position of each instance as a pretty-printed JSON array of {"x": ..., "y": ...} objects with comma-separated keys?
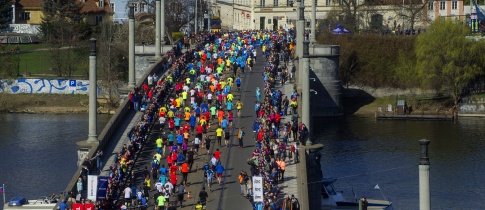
[{"x": 226, "y": 195}]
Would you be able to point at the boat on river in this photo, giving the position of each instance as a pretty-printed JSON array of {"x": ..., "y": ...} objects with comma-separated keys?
[
  {"x": 21, "y": 203},
  {"x": 332, "y": 199}
]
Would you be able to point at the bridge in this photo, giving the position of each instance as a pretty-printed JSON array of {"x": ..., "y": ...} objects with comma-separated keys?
[{"x": 320, "y": 95}]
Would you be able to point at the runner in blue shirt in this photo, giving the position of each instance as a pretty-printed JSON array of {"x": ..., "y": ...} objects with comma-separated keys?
[{"x": 238, "y": 81}]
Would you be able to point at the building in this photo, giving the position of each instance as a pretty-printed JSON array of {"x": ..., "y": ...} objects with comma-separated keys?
[
  {"x": 27, "y": 14},
  {"x": 371, "y": 14},
  {"x": 120, "y": 8}
]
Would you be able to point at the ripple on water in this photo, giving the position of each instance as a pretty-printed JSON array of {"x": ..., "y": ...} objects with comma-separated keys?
[{"x": 363, "y": 152}]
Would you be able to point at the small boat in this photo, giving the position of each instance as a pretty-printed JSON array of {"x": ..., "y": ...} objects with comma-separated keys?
[
  {"x": 332, "y": 199},
  {"x": 19, "y": 202}
]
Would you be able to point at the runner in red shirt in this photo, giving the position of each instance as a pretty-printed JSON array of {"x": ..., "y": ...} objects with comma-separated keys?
[{"x": 217, "y": 154}]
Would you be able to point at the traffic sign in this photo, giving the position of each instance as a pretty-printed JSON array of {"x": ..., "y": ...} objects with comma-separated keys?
[{"x": 72, "y": 84}]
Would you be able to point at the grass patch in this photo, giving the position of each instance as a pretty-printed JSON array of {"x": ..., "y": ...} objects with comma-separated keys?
[
  {"x": 39, "y": 63},
  {"x": 35, "y": 62}
]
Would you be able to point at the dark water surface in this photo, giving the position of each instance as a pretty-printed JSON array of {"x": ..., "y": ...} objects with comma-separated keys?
[
  {"x": 363, "y": 152},
  {"x": 38, "y": 152}
]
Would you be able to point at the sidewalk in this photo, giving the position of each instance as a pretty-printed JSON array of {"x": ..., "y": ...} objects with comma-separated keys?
[{"x": 290, "y": 185}]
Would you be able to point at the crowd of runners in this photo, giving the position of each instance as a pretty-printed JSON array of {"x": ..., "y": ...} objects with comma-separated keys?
[{"x": 193, "y": 104}]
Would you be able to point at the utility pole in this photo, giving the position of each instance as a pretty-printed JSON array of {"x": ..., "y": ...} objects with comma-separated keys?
[
  {"x": 313, "y": 38},
  {"x": 162, "y": 17},
  {"x": 402, "y": 27},
  {"x": 93, "y": 93},
  {"x": 196, "y": 20},
  {"x": 131, "y": 47},
  {"x": 424, "y": 196},
  {"x": 157, "y": 30},
  {"x": 208, "y": 15}
]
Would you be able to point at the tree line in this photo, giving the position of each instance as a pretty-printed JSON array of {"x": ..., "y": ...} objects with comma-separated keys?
[{"x": 441, "y": 59}]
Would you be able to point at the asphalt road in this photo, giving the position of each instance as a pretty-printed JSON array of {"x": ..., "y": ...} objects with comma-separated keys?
[
  {"x": 227, "y": 195},
  {"x": 235, "y": 159}
]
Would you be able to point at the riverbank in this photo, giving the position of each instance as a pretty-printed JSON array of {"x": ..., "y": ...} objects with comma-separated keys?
[
  {"x": 64, "y": 104},
  {"x": 369, "y": 105},
  {"x": 49, "y": 104}
]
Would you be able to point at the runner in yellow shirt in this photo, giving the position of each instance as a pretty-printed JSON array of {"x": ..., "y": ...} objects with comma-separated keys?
[
  {"x": 229, "y": 96},
  {"x": 239, "y": 106},
  {"x": 219, "y": 133}
]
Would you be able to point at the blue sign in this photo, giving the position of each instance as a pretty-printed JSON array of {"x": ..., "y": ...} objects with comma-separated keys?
[
  {"x": 102, "y": 187},
  {"x": 72, "y": 83}
]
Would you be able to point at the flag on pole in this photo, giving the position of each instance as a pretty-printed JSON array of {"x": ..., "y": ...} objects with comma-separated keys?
[
  {"x": 1, "y": 189},
  {"x": 377, "y": 187}
]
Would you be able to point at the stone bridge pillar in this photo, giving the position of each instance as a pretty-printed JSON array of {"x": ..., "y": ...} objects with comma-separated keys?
[{"x": 325, "y": 86}]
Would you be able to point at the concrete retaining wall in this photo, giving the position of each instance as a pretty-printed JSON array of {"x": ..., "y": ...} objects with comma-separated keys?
[
  {"x": 44, "y": 86},
  {"x": 472, "y": 107}
]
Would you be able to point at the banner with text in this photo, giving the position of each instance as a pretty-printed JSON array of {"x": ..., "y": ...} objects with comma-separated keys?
[
  {"x": 92, "y": 187},
  {"x": 102, "y": 187},
  {"x": 258, "y": 189}
]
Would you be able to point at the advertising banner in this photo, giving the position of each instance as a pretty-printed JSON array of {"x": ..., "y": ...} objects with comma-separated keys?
[
  {"x": 258, "y": 189},
  {"x": 92, "y": 187},
  {"x": 102, "y": 187}
]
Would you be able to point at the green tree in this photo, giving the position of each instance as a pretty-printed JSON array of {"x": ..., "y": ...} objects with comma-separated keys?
[
  {"x": 8, "y": 61},
  {"x": 5, "y": 13},
  {"x": 62, "y": 29},
  {"x": 446, "y": 60}
]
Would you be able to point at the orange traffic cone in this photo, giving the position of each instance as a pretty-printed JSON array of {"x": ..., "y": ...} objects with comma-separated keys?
[{"x": 188, "y": 195}]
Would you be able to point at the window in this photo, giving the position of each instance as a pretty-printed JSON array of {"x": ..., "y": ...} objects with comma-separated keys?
[
  {"x": 454, "y": 5},
  {"x": 101, "y": 3},
  {"x": 288, "y": 3},
  {"x": 431, "y": 6},
  {"x": 275, "y": 2},
  {"x": 143, "y": 7},
  {"x": 99, "y": 19},
  {"x": 269, "y": 21},
  {"x": 136, "y": 6},
  {"x": 328, "y": 2},
  {"x": 263, "y": 3},
  {"x": 442, "y": 5},
  {"x": 24, "y": 16},
  {"x": 113, "y": 7}
]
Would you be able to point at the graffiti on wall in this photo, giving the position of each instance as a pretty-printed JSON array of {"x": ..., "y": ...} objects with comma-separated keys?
[
  {"x": 44, "y": 86},
  {"x": 25, "y": 28}
]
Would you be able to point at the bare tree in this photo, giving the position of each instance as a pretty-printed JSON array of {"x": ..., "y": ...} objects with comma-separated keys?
[
  {"x": 348, "y": 15},
  {"x": 111, "y": 61},
  {"x": 177, "y": 15}
]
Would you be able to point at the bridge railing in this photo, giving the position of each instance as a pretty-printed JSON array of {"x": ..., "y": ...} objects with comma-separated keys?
[{"x": 106, "y": 135}]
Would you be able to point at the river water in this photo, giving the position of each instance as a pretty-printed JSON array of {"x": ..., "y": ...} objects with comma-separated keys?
[
  {"x": 362, "y": 153},
  {"x": 38, "y": 157},
  {"x": 38, "y": 152}
]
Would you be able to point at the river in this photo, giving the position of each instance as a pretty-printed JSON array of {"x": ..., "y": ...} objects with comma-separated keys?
[
  {"x": 362, "y": 153},
  {"x": 38, "y": 152},
  {"x": 38, "y": 157}
]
